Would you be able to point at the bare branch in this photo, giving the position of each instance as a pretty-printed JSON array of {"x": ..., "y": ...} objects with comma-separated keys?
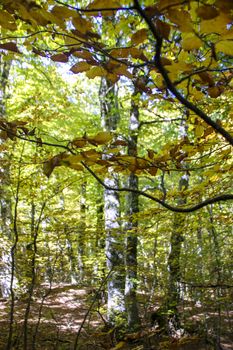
[{"x": 220, "y": 198}]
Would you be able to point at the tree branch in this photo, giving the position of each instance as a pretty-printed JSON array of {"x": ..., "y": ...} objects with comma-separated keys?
[
  {"x": 171, "y": 87},
  {"x": 223, "y": 197}
]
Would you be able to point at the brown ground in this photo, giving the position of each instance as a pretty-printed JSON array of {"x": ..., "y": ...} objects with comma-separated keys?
[{"x": 63, "y": 312}]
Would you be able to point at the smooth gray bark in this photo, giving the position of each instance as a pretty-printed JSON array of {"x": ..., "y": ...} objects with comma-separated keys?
[
  {"x": 5, "y": 199},
  {"x": 114, "y": 235}
]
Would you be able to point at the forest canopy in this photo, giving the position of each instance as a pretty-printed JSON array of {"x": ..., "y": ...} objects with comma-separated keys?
[{"x": 116, "y": 160}]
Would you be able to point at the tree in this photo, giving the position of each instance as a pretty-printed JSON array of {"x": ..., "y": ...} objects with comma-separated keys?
[
  {"x": 180, "y": 66},
  {"x": 183, "y": 78}
]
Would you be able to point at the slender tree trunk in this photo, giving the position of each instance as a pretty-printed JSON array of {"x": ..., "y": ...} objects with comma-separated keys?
[
  {"x": 218, "y": 273},
  {"x": 174, "y": 256},
  {"x": 5, "y": 200},
  {"x": 132, "y": 204},
  {"x": 82, "y": 232},
  {"x": 114, "y": 235}
]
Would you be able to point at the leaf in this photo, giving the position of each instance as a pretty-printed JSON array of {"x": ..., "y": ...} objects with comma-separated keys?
[
  {"x": 49, "y": 166},
  {"x": 77, "y": 167},
  {"x": 11, "y": 46},
  {"x": 206, "y": 78},
  {"x": 103, "y": 4},
  {"x": 207, "y": 12},
  {"x": 164, "y": 4},
  {"x": 125, "y": 52},
  {"x": 215, "y": 25},
  {"x": 96, "y": 72},
  {"x": 139, "y": 37},
  {"x": 82, "y": 24},
  {"x": 191, "y": 42},
  {"x": 61, "y": 57},
  {"x": 153, "y": 170},
  {"x": 181, "y": 18},
  {"x": 73, "y": 158},
  {"x": 7, "y": 21},
  {"x": 215, "y": 91},
  {"x": 101, "y": 138},
  {"x": 79, "y": 142},
  {"x": 225, "y": 46},
  {"x": 63, "y": 12},
  {"x": 83, "y": 54},
  {"x": 163, "y": 29},
  {"x": 80, "y": 67},
  {"x": 199, "y": 130}
]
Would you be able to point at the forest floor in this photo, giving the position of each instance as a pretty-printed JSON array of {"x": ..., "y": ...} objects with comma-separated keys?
[{"x": 66, "y": 315}]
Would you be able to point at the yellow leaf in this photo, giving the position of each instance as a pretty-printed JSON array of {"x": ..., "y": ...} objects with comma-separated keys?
[
  {"x": 139, "y": 37},
  {"x": 215, "y": 25},
  {"x": 103, "y": 4},
  {"x": 74, "y": 158},
  {"x": 164, "y": 4},
  {"x": 179, "y": 67},
  {"x": 77, "y": 167},
  {"x": 91, "y": 155},
  {"x": 181, "y": 18},
  {"x": 101, "y": 138},
  {"x": 63, "y": 12},
  {"x": 207, "y": 12},
  {"x": 7, "y": 21},
  {"x": 199, "y": 130},
  {"x": 112, "y": 77},
  {"x": 122, "y": 70},
  {"x": 225, "y": 46},
  {"x": 96, "y": 72},
  {"x": 191, "y": 42},
  {"x": 80, "y": 67},
  {"x": 82, "y": 24},
  {"x": 79, "y": 142}
]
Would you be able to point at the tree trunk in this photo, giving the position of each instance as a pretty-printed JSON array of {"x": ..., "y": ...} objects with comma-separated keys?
[
  {"x": 114, "y": 235},
  {"x": 132, "y": 225},
  {"x": 5, "y": 200},
  {"x": 173, "y": 324},
  {"x": 82, "y": 232}
]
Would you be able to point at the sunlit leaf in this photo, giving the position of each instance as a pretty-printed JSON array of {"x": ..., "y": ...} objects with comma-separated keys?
[
  {"x": 96, "y": 72},
  {"x": 101, "y": 138},
  {"x": 199, "y": 130},
  {"x": 191, "y": 42},
  {"x": 225, "y": 46},
  {"x": 80, "y": 67},
  {"x": 181, "y": 18},
  {"x": 215, "y": 25}
]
